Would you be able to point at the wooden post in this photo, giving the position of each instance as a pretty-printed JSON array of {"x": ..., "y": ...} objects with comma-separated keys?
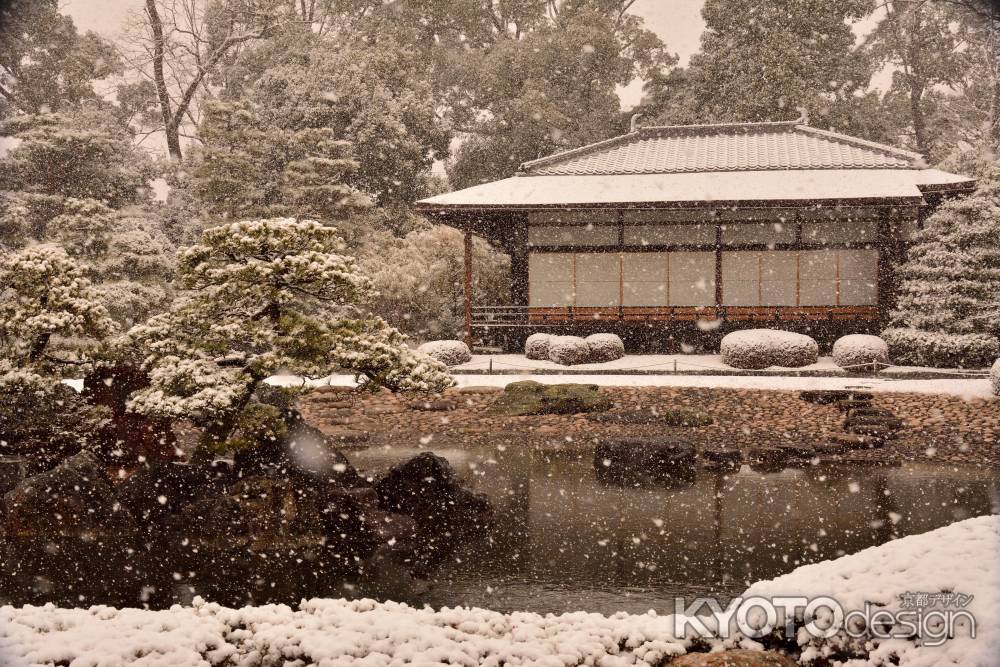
[{"x": 468, "y": 288}]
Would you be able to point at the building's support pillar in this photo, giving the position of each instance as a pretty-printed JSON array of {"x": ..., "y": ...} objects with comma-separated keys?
[
  {"x": 519, "y": 263},
  {"x": 468, "y": 288}
]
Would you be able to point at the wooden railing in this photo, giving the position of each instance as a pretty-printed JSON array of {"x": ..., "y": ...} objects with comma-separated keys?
[{"x": 523, "y": 316}]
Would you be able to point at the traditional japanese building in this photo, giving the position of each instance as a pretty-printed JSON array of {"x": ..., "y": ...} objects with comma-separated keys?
[{"x": 751, "y": 224}]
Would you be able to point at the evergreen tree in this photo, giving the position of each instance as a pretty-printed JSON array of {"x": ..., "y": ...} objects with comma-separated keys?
[
  {"x": 951, "y": 280},
  {"x": 249, "y": 167},
  {"x": 761, "y": 60},
  {"x": 267, "y": 296}
]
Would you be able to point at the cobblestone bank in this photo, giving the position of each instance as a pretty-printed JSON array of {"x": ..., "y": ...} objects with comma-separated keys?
[{"x": 936, "y": 428}]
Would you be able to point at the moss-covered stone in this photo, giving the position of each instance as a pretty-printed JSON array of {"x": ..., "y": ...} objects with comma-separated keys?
[{"x": 534, "y": 398}]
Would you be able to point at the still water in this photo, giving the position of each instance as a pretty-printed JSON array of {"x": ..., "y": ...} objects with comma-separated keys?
[{"x": 562, "y": 541}]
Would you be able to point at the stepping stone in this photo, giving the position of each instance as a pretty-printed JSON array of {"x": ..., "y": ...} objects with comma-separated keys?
[
  {"x": 851, "y": 441},
  {"x": 850, "y": 404},
  {"x": 723, "y": 460},
  {"x": 826, "y": 396},
  {"x": 876, "y": 431},
  {"x": 798, "y": 451},
  {"x": 767, "y": 459},
  {"x": 892, "y": 423}
]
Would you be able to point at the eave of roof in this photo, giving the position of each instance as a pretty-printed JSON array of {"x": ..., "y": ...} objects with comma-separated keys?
[{"x": 767, "y": 187}]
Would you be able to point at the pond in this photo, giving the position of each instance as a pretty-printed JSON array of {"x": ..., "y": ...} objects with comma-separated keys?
[{"x": 563, "y": 541}]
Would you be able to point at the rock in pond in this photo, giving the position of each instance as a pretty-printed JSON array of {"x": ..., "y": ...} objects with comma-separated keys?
[{"x": 644, "y": 461}]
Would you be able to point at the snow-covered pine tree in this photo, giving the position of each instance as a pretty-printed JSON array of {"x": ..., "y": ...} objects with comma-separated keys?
[
  {"x": 46, "y": 295},
  {"x": 267, "y": 296},
  {"x": 950, "y": 283},
  {"x": 50, "y": 316}
]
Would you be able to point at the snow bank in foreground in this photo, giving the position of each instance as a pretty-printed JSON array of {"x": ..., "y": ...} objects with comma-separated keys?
[{"x": 961, "y": 558}]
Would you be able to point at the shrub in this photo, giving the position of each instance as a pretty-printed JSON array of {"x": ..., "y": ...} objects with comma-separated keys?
[
  {"x": 940, "y": 350},
  {"x": 605, "y": 347},
  {"x": 995, "y": 377},
  {"x": 859, "y": 349},
  {"x": 568, "y": 350},
  {"x": 537, "y": 346},
  {"x": 448, "y": 352},
  {"x": 534, "y": 398},
  {"x": 759, "y": 348}
]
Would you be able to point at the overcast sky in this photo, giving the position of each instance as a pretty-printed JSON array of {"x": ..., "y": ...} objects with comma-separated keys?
[{"x": 677, "y": 22}]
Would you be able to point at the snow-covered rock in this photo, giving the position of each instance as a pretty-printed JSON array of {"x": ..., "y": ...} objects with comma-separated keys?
[
  {"x": 537, "y": 346},
  {"x": 995, "y": 377},
  {"x": 568, "y": 350},
  {"x": 605, "y": 347},
  {"x": 448, "y": 352},
  {"x": 760, "y": 348},
  {"x": 860, "y": 349}
]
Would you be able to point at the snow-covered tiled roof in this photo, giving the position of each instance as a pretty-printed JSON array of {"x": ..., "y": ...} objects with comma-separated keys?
[
  {"x": 728, "y": 147},
  {"x": 719, "y": 188}
]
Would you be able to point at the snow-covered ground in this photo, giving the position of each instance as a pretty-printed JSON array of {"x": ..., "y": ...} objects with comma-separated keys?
[
  {"x": 961, "y": 558},
  {"x": 964, "y": 388}
]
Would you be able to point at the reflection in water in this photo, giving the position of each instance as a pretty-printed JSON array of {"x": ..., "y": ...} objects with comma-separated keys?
[{"x": 564, "y": 541}]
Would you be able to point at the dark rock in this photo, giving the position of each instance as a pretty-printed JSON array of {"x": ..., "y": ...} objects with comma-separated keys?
[
  {"x": 158, "y": 489},
  {"x": 534, "y": 398},
  {"x": 849, "y": 441},
  {"x": 644, "y": 461},
  {"x": 445, "y": 513},
  {"x": 66, "y": 528},
  {"x": 303, "y": 454},
  {"x": 12, "y": 470}
]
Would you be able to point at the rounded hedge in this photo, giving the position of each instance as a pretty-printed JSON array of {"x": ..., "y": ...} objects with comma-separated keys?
[
  {"x": 858, "y": 350},
  {"x": 754, "y": 349},
  {"x": 605, "y": 347},
  {"x": 537, "y": 346},
  {"x": 995, "y": 377},
  {"x": 568, "y": 350},
  {"x": 448, "y": 352}
]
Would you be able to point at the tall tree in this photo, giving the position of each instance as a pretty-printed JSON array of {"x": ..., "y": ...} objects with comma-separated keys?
[
  {"x": 760, "y": 60},
  {"x": 522, "y": 79},
  {"x": 45, "y": 64},
  {"x": 179, "y": 45},
  {"x": 918, "y": 40}
]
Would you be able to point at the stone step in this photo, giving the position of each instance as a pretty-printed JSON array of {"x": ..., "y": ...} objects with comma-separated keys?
[
  {"x": 826, "y": 396},
  {"x": 853, "y": 403}
]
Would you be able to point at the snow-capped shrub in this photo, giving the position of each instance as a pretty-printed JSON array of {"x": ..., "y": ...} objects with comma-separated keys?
[
  {"x": 537, "y": 346},
  {"x": 759, "y": 348},
  {"x": 448, "y": 352},
  {"x": 605, "y": 347},
  {"x": 858, "y": 350},
  {"x": 913, "y": 347},
  {"x": 995, "y": 377},
  {"x": 569, "y": 350}
]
